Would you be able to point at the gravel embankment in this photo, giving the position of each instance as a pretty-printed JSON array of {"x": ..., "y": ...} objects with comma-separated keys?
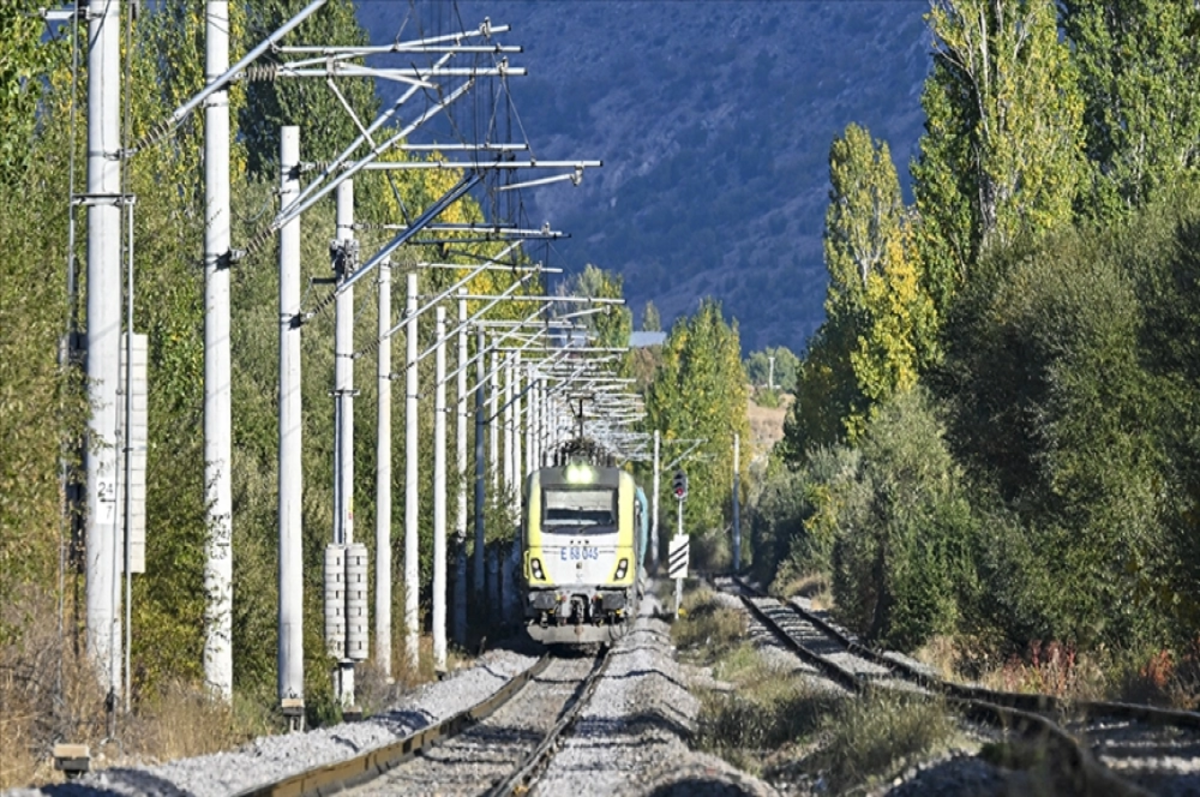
[
  {"x": 271, "y": 758},
  {"x": 473, "y": 761},
  {"x": 631, "y": 738}
]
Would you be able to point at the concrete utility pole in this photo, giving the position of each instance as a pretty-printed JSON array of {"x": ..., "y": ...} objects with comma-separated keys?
[
  {"x": 509, "y": 421},
  {"x": 530, "y": 426},
  {"x": 103, "y": 343},
  {"x": 412, "y": 574},
  {"x": 480, "y": 475},
  {"x": 493, "y": 425},
  {"x": 291, "y": 424},
  {"x": 460, "y": 439},
  {"x": 654, "y": 508},
  {"x": 218, "y": 408},
  {"x": 439, "y": 493},
  {"x": 383, "y": 480},
  {"x": 737, "y": 519},
  {"x": 343, "y": 423},
  {"x": 518, "y": 437}
]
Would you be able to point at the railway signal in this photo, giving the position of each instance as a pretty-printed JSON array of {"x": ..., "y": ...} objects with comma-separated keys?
[{"x": 679, "y": 485}]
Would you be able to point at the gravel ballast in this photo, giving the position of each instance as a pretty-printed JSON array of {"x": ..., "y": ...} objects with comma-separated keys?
[{"x": 631, "y": 738}]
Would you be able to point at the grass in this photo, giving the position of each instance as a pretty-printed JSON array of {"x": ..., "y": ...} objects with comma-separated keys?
[
  {"x": 706, "y": 623},
  {"x": 783, "y": 724},
  {"x": 814, "y": 586},
  {"x": 878, "y": 734}
]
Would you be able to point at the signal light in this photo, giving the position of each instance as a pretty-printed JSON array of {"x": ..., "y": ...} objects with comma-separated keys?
[{"x": 679, "y": 485}]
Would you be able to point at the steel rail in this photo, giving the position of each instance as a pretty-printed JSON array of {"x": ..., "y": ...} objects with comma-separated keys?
[
  {"x": 1006, "y": 710},
  {"x": 1089, "y": 709},
  {"x": 536, "y": 762},
  {"x": 328, "y": 778}
]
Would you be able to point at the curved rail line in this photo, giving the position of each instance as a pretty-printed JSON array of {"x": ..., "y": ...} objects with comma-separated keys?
[
  {"x": 379, "y": 762},
  {"x": 1022, "y": 713}
]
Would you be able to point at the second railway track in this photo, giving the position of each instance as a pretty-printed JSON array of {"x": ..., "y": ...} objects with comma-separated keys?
[{"x": 1075, "y": 733}]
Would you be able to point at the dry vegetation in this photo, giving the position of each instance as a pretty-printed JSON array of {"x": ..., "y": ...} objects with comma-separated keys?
[
  {"x": 786, "y": 726},
  {"x": 49, "y": 694}
]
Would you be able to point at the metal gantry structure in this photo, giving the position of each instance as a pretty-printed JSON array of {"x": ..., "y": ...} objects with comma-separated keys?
[{"x": 534, "y": 373}]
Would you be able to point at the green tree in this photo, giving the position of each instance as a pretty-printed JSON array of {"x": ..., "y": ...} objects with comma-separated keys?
[
  {"x": 651, "y": 321},
  {"x": 865, "y": 212},
  {"x": 1002, "y": 153},
  {"x": 325, "y": 127},
  {"x": 614, "y": 323},
  {"x": 1136, "y": 61},
  {"x": 758, "y": 367},
  {"x": 25, "y": 62},
  {"x": 701, "y": 393},
  {"x": 881, "y": 327}
]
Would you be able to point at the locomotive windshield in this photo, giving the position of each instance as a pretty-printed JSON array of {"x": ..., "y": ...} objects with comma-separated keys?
[{"x": 575, "y": 511}]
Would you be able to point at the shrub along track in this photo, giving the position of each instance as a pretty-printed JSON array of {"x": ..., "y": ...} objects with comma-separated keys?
[
  {"x": 1134, "y": 739},
  {"x": 494, "y": 747}
]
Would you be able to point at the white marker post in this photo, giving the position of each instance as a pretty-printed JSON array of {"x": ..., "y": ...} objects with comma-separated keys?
[{"x": 677, "y": 561}]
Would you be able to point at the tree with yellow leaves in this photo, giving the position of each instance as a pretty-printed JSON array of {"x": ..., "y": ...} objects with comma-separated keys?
[{"x": 881, "y": 326}]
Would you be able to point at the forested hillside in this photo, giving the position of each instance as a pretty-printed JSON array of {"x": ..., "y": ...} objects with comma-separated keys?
[{"x": 713, "y": 120}]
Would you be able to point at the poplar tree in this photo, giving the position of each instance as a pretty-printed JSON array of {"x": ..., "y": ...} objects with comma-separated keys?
[
  {"x": 25, "y": 60},
  {"x": 1137, "y": 62},
  {"x": 325, "y": 127},
  {"x": 701, "y": 392},
  {"x": 651, "y": 320},
  {"x": 880, "y": 330},
  {"x": 1002, "y": 153}
]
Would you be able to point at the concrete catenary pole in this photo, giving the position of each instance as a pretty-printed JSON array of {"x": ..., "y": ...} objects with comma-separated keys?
[
  {"x": 460, "y": 440},
  {"x": 737, "y": 519},
  {"x": 518, "y": 436},
  {"x": 439, "y": 493},
  {"x": 218, "y": 407},
  {"x": 291, "y": 551},
  {"x": 343, "y": 403},
  {"x": 480, "y": 458},
  {"x": 493, "y": 423},
  {"x": 509, "y": 421},
  {"x": 383, "y": 479},
  {"x": 103, "y": 336},
  {"x": 530, "y": 423},
  {"x": 412, "y": 573},
  {"x": 654, "y": 508}
]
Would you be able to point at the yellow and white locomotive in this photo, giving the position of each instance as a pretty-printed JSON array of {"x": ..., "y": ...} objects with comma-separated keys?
[{"x": 584, "y": 535}]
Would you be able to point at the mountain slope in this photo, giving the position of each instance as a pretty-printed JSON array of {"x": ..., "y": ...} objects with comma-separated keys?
[{"x": 714, "y": 121}]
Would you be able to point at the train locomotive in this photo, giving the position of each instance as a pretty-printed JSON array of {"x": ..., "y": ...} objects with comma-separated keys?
[{"x": 584, "y": 539}]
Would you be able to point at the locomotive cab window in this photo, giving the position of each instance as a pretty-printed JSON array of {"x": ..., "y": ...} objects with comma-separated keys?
[{"x": 579, "y": 511}]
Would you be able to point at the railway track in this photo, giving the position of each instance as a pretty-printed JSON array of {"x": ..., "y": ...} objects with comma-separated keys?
[
  {"x": 496, "y": 747},
  {"x": 1093, "y": 740}
]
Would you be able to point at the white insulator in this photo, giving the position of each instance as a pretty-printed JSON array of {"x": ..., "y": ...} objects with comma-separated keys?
[
  {"x": 357, "y": 594},
  {"x": 335, "y": 600}
]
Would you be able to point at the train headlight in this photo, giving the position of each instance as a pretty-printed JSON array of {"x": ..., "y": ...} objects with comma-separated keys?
[
  {"x": 535, "y": 565},
  {"x": 622, "y": 566},
  {"x": 579, "y": 473}
]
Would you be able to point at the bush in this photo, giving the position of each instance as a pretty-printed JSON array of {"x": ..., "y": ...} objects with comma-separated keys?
[{"x": 901, "y": 562}]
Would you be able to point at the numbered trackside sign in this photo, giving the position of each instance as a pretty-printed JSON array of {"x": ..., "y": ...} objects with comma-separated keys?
[{"x": 677, "y": 558}]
